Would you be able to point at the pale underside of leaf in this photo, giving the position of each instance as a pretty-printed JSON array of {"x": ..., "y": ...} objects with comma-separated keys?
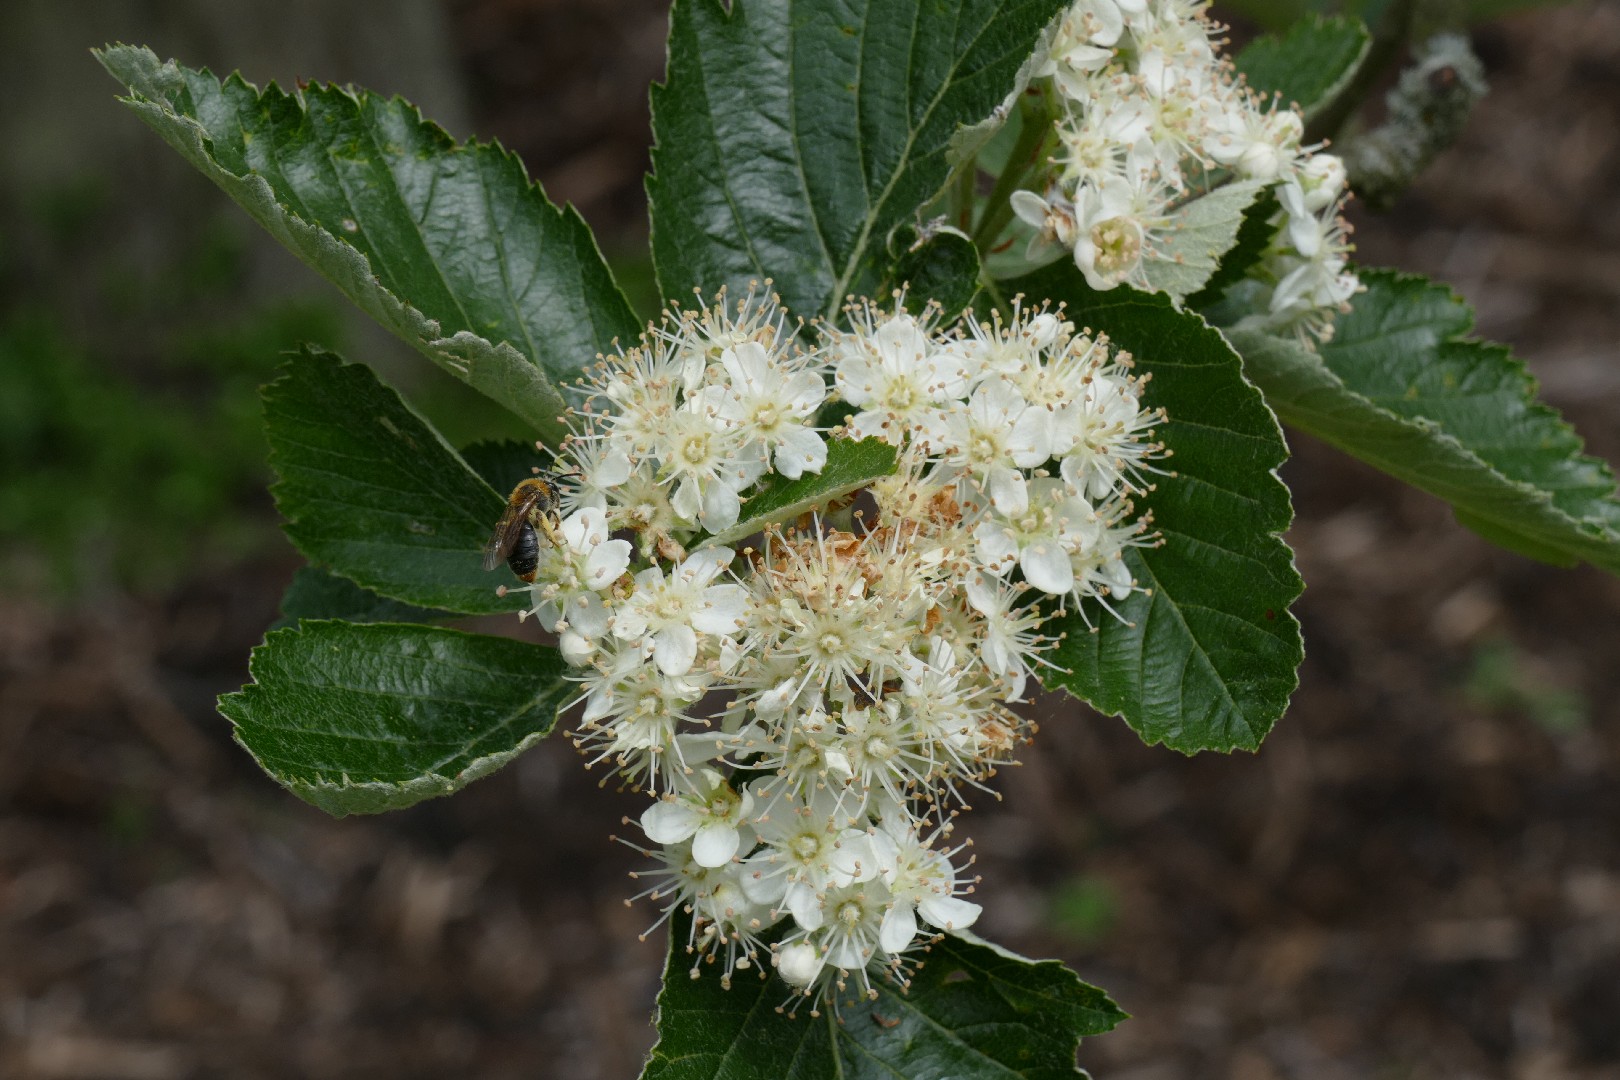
[
  {"x": 1401, "y": 387},
  {"x": 1198, "y": 234}
]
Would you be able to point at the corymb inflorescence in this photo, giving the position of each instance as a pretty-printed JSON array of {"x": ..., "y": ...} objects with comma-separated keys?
[
  {"x": 1149, "y": 116},
  {"x": 811, "y": 706}
]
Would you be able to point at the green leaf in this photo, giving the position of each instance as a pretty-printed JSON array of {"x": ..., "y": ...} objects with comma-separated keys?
[
  {"x": 362, "y": 719},
  {"x": 1403, "y": 387},
  {"x": 1310, "y": 64},
  {"x": 1254, "y": 238},
  {"x": 448, "y": 245},
  {"x": 1209, "y": 659},
  {"x": 943, "y": 267},
  {"x": 371, "y": 491},
  {"x": 973, "y": 1012},
  {"x": 1197, "y": 236},
  {"x": 793, "y": 135},
  {"x": 851, "y": 465},
  {"x": 503, "y": 462},
  {"x": 316, "y": 593}
]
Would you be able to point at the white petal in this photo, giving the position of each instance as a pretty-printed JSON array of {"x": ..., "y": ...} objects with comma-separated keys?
[
  {"x": 873, "y": 424},
  {"x": 799, "y": 963},
  {"x": 587, "y": 615},
  {"x": 946, "y": 374},
  {"x": 715, "y": 844},
  {"x": 762, "y": 881},
  {"x": 629, "y": 623},
  {"x": 1030, "y": 208},
  {"x": 1008, "y": 491},
  {"x": 803, "y": 391},
  {"x": 675, "y": 649},
  {"x": 724, "y": 610},
  {"x": 687, "y": 500},
  {"x": 1047, "y": 567},
  {"x": 996, "y": 548},
  {"x": 575, "y": 648},
  {"x": 854, "y": 859},
  {"x": 669, "y": 822},
  {"x": 899, "y": 927},
  {"x": 948, "y": 912},
  {"x": 801, "y": 900},
  {"x": 721, "y": 507},
  {"x": 702, "y": 566},
  {"x": 606, "y": 562},
  {"x": 1030, "y": 441},
  {"x": 799, "y": 451},
  {"x": 612, "y": 470}
]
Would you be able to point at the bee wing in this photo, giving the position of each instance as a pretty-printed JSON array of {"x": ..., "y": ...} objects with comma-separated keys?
[{"x": 506, "y": 534}]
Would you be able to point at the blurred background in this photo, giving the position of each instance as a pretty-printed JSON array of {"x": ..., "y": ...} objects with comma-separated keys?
[{"x": 1419, "y": 876}]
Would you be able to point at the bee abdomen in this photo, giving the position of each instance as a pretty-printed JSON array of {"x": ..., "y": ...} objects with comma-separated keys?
[{"x": 525, "y": 556}]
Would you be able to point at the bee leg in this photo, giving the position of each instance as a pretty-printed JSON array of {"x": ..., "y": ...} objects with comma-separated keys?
[{"x": 547, "y": 524}]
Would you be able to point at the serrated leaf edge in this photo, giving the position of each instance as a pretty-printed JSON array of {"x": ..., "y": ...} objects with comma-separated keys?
[
  {"x": 461, "y": 353},
  {"x": 340, "y": 799}
]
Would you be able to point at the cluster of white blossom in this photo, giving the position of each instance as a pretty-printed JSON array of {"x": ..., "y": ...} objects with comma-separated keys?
[
  {"x": 1151, "y": 116},
  {"x": 808, "y": 711}
]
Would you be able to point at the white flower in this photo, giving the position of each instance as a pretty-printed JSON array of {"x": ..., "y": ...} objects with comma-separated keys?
[
  {"x": 1009, "y": 640},
  {"x": 992, "y": 439},
  {"x": 708, "y": 812},
  {"x": 573, "y": 578},
  {"x": 1322, "y": 180},
  {"x": 807, "y": 849},
  {"x": 896, "y": 376},
  {"x": 1112, "y": 234},
  {"x": 922, "y": 882},
  {"x": 849, "y": 924},
  {"x": 1040, "y": 541},
  {"x": 671, "y": 611},
  {"x": 708, "y": 461},
  {"x": 771, "y": 404}
]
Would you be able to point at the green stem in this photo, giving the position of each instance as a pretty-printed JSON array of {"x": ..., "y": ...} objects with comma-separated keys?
[
  {"x": 966, "y": 186},
  {"x": 1026, "y": 154}
]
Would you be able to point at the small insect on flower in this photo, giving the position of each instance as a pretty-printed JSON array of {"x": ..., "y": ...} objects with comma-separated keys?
[{"x": 531, "y": 506}]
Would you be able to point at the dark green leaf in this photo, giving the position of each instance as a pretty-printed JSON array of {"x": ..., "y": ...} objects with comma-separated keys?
[
  {"x": 503, "y": 462},
  {"x": 1402, "y": 387},
  {"x": 851, "y": 465},
  {"x": 371, "y": 491},
  {"x": 973, "y": 1012},
  {"x": 448, "y": 245},
  {"x": 320, "y": 594},
  {"x": 361, "y": 719},
  {"x": 1209, "y": 659},
  {"x": 1310, "y": 64},
  {"x": 792, "y": 135},
  {"x": 943, "y": 267}
]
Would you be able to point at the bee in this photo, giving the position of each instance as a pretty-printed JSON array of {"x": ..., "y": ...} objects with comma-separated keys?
[{"x": 531, "y": 511}]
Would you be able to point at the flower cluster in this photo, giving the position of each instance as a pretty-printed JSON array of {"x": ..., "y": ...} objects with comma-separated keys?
[
  {"x": 1150, "y": 117},
  {"x": 810, "y": 712}
]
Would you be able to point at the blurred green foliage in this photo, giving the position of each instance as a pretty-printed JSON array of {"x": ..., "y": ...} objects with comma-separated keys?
[
  {"x": 1429, "y": 15},
  {"x": 130, "y": 444},
  {"x": 1084, "y": 908},
  {"x": 1505, "y": 677}
]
